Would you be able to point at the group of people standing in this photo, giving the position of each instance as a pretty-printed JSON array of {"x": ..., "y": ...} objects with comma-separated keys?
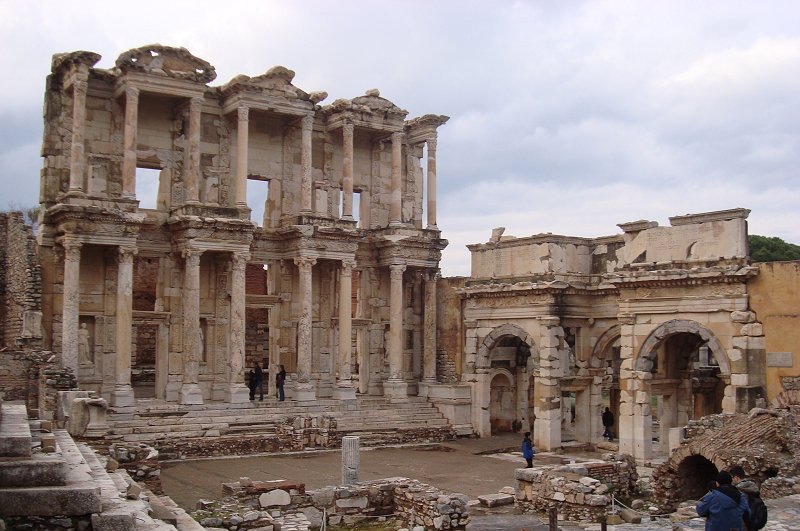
[
  {"x": 255, "y": 381},
  {"x": 733, "y": 503}
]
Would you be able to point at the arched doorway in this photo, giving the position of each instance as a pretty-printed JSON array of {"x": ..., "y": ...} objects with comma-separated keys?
[
  {"x": 688, "y": 365},
  {"x": 501, "y": 403},
  {"x": 605, "y": 363}
]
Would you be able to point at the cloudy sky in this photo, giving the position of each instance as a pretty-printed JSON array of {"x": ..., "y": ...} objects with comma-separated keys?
[{"x": 566, "y": 117}]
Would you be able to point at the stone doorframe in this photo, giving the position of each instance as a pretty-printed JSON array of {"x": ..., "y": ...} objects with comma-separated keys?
[{"x": 481, "y": 388}]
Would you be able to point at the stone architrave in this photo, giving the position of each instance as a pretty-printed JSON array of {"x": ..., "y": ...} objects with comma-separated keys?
[
  {"x": 307, "y": 124},
  {"x": 305, "y": 388},
  {"x": 70, "y": 305},
  {"x": 193, "y": 161},
  {"x": 242, "y": 146},
  {"x": 77, "y": 162},
  {"x": 129, "y": 154},
  {"x": 395, "y": 386},
  {"x": 237, "y": 392},
  {"x": 347, "y": 171},
  {"x": 122, "y": 395},
  {"x": 431, "y": 205},
  {"x": 190, "y": 392},
  {"x": 344, "y": 386},
  {"x": 396, "y": 206}
]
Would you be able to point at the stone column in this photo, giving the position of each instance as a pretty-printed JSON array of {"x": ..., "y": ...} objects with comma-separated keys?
[
  {"x": 77, "y": 162},
  {"x": 190, "y": 390},
  {"x": 242, "y": 146},
  {"x": 625, "y": 418},
  {"x": 305, "y": 388},
  {"x": 432, "y": 183},
  {"x": 547, "y": 427},
  {"x": 122, "y": 395},
  {"x": 129, "y": 154},
  {"x": 396, "y": 206},
  {"x": 192, "y": 182},
  {"x": 347, "y": 171},
  {"x": 429, "y": 331},
  {"x": 307, "y": 124},
  {"x": 237, "y": 392},
  {"x": 344, "y": 387},
  {"x": 351, "y": 460},
  {"x": 395, "y": 386},
  {"x": 70, "y": 306}
]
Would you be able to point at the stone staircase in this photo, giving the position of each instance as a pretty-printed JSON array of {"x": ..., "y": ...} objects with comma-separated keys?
[
  {"x": 376, "y": 420},
  {"x": 47, "y": 475}
]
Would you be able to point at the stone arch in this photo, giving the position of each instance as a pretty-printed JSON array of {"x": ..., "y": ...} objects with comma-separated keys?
[
  {"x": 508, "y": 329},
  {"x": 603, "y": 345},
  {"x": 676, "y": 326}
]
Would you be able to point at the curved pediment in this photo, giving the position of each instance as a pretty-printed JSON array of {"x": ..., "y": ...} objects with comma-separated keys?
[
  {"x": 166, "y": 61},
  {"x": 373, "y": 101}
]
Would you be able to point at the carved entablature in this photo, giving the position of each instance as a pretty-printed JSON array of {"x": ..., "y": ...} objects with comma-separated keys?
[
  {"x": 159, "y": 60},
  {"x": 223, "y": 235},
  {"x": 97, "y": 225},
  {"x": 367, "y": 112},
  {"x": 272, "y": 91},
  {"x": 424, "y": 127},
  {"x": 672, "y": 278}
]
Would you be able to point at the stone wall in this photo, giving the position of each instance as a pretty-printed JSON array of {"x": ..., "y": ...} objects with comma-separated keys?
[
  {"x": 411, "y": 502},
  {"x": 20, "y": 283},
  {"x": 449, "y": 331},
  {"x": 582, "y": 491}
]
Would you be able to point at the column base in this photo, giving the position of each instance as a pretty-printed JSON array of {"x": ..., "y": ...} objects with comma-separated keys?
[
  {"x": 122, "y": 396},
  {"x": 343, "y": 392},
  {"x": 237, "y": 394},
  {"x": 305, "y": 392},
  {"x": 424, "y": 386},
  {"x": 395, "y": 389},
  {"x": 191, "y": 394}
]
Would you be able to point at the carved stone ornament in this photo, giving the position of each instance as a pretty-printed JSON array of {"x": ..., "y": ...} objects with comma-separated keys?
[
  {"x": 62, "y": 61},
  {"x": 166, "y": 61}
]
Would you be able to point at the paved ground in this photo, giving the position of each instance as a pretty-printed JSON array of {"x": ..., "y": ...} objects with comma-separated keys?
[{"x": 464, "y": 465}]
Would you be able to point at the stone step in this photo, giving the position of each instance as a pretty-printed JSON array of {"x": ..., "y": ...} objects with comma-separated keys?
[
  {"x": 15, "y": 432},
  {"x": 36, "y": 471}
]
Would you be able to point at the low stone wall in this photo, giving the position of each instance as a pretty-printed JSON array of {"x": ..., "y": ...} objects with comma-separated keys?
[
  {"x": 580, "y": 491},
  {"x": 409, "y": 501}
]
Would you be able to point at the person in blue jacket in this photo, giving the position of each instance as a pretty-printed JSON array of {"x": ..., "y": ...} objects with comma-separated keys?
[
  {"x": 527, "y": 449},
  {"x": 723, "y": 507}
]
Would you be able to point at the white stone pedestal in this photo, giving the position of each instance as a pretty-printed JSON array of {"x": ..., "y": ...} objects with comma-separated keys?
[
  {"x": 344, "y": 393},
  {"x": 122, "y": 396},
  {"x": 237, "y": 394},
  {"x": 191, "y": 394},
  {"x": 305, "y": 392},
  {"x": 395, "y": 389}
]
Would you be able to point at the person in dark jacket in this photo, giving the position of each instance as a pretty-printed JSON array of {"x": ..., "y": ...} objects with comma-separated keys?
[
  {"x": 259, "y": 382},
  {"x": 749, "y": 490},
  {"x": 280, "y": 379},
  {"x": 608, "y": 424},
  {"x": 725, "y": 507},
  {"x": 527, "y": 449},
  {"x": 251, "y": 384}
]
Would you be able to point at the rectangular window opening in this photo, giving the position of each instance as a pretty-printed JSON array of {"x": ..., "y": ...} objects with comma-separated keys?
[
  {"x": 147, "y": 182},
  {"x": 357, "y": 207},
  {"x": 257, "y": 195}
]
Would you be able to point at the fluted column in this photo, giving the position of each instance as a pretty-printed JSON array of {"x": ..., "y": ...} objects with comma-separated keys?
[
  {"x": 347, "y": 172},
  {"x": 395, "y": 386},
  {"x": 122, "y": 395},
  {"x": 396, "y": 206},
  {"x": 432, "y": 183},
  {"x": 77, "y": 162},
  {"x": 307, "y": 124},
  {"x": 192, "y": 181},
  {"x": 70, "y": 306},
  {"x": 305, "y": 389},
  {"x": 237, "y": 392},
  {"x": 429, "y": 326},
  {"x": 190, "y": 390},
  {"x": 129, "y": 154},
  {"x": 242, "y": 146},
  {"x": 344, "y": 389}
]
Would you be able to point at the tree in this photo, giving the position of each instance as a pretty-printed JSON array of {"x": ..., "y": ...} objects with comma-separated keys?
[{"x": 771, "y": 249}]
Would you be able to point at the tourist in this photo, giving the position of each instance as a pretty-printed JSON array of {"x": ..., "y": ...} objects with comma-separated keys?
[
  {"x": 251, "y": 384},
  {"x": 757, "y": 513},
  {"x": 259, "y": 382},
  {"x": 608, "y": 424},
  {"x": 280, "y": 379},
  {"x": 527, "y": 449},
  {"x": 725, "y": 507}
]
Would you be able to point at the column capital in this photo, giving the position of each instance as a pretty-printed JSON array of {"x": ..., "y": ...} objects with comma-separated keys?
[
  {"x": 195, "y": 103},
  {"x": 431, "y": 143},
  {"x": 307, "y": 122},
  {"x": 72, "y": 250},
  {"x": 397, "y": 270},
  {"x": 243, "y": 113},
  {"x": 348, "y": 127},
  {"x": 347, "y": 267},
  {"x": 432, "y": 275},
  {"x": 131, "y": 93},
  {"x": 397, "y": 136},
  {"x": 126, "y": 253},
  {"x": 239, "y": 259},
  {"x": 305, "y": 263},
  {"x": 80, "y": 85},
  {"x": 191, "y": 255}
]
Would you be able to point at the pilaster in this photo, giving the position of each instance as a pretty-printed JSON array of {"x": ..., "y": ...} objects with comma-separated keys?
[
  {"x": 192, "y": 181},
  {"x": 78, "y": 162},
  {"x": 307, "y": 124},
  {"x": 431, "y": 206},
  {"x": 347, "y": 171}
]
